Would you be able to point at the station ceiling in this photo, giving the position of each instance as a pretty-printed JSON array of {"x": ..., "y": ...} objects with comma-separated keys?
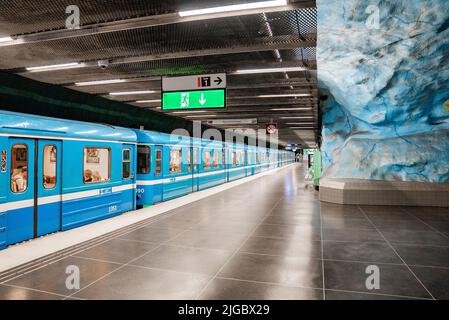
[{"x": 145, "y": 40}]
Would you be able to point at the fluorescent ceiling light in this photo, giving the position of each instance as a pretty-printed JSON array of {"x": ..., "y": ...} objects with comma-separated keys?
[
  {"x": 270, "y": 70},
  {"x": 290, "y": 109},
  {"x": 196, "y": 111},
  {"x": 295, "y": 123},
  {"x": 98, "y": 82},
  {"x": 148, "y": 101},
  {"x": 302, "y": 128},
  {"x": 125, "y": 93},
  {"x": 5, "y": 39},
  {"x": 284, "y": 95},
  {"x": 204, "y": 116},
  {"x": 235, "y": 7},
  {"x": 55, "y": 67},
  {"x": 295, "y": 117}
]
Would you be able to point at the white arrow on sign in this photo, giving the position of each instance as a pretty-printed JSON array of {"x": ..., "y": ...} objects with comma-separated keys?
[{"x": 202, "y": 101}]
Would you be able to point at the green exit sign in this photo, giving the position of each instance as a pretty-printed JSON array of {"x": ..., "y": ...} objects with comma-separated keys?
[{"x": 186, "y": 100}]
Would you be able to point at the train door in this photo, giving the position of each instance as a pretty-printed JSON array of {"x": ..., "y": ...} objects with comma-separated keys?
[
  {"x": 48, "y": 187},
  {"x": 158, "y": 174},
  {"x": 129, "y": 174},
  {"x": 21, "y": 193}
]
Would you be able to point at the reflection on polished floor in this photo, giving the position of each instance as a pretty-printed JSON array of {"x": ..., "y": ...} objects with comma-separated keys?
[{"x": 266, "y": 239}]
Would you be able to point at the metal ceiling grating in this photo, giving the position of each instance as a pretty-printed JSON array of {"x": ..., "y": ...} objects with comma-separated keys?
[
  {"x": 21, "y": 17},
  {"x": 142, "y": 55}
]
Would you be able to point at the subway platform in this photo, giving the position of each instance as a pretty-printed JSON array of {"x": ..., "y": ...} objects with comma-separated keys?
[{"x": 269, "y": 238}]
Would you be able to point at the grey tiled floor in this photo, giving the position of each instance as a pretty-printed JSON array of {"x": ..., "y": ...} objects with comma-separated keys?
[{"x": 266, "y": 239}]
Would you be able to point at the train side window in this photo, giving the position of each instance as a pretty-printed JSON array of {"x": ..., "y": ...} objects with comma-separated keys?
[
  {"x": 175, "y": 160},
  {"x": 216, "y": 158},
  {"x": 49, "y": 171},
  {"x": 158, "y": 168},
  {"x": 126, "y": 164},
  {"x": 19, "y": 168},
  {"x": 223, "y": 157},
  {"x": 143, "y": 159},
  {"x": 206, "y": 159},
  {"x": 195, "y": 159},
  {"x": 233, "y": 158},
  {"x": 189, "y": 165},
  {"x": 97, "y": 165}
]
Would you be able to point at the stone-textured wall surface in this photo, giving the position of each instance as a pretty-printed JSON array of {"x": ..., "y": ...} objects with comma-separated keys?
[{"x": 387, "y": 116}]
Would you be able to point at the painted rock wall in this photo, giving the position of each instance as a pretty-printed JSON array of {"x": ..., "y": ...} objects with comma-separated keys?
[{"x": 386, "y": 117}]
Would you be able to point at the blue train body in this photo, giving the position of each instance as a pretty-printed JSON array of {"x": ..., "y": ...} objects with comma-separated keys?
[{"x": 57, "y": 174}]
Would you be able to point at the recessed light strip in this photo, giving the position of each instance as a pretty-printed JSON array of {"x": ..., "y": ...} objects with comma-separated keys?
[
  {"x": 296, "y": 117},
  {"x": 302, "y": 127},
  {"x": 284, "y": 95},
  {"x": 290, "y": 109},
  {"x": 99, "y": 82},
  {"x": 148, "y": 101},
  {"x": 269, "y": 70},
  {"x": 235, "y": 7},
  {"x": 125, "y": 93},
  {"x": 203, "y": 116},
  {"x": 6, "y": 39},
  {"x": 62, "y": 66}
]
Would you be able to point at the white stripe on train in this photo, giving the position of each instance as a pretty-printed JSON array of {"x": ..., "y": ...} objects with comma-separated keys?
[{"x": 15, "y": 205}]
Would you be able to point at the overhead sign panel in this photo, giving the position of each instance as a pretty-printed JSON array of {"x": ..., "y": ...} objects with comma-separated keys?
[
  {"x": 186, "y": 100},
  {"x": 197, "y": 82}
]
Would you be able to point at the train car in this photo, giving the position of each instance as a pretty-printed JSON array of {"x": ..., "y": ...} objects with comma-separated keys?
[
  {"x": 181, "y": 165},
  {"x": 57, "y": 174},
  {"x": 170, "y": 166}
]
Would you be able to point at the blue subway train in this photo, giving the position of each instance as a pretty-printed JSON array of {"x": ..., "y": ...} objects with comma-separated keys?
[{"x": 59, "y": 174}]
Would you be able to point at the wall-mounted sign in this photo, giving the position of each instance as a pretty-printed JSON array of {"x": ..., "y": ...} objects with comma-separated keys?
[
  {"x": 4, "y": 161},
  {"x": 196, "y": 82},
  {"x": 271, "y": 128},
  {"x": 185, "y": 100},
  {"x": 231, "y": 121}
]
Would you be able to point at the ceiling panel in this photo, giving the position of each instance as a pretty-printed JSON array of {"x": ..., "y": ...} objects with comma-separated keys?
[{"x": 144, "y": 53}]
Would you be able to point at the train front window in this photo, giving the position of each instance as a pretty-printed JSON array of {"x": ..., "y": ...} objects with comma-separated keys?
[
  {"x": 19, "y": 168},
  {"x": 143, "y": 159},
  {"x": 158, "y": 168},
  {"x": 97, "y": 165},
  {"x": 126, "y": 164},
  {"x": 49, "y": 172},
  {"x": 175, "y": 160}
]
